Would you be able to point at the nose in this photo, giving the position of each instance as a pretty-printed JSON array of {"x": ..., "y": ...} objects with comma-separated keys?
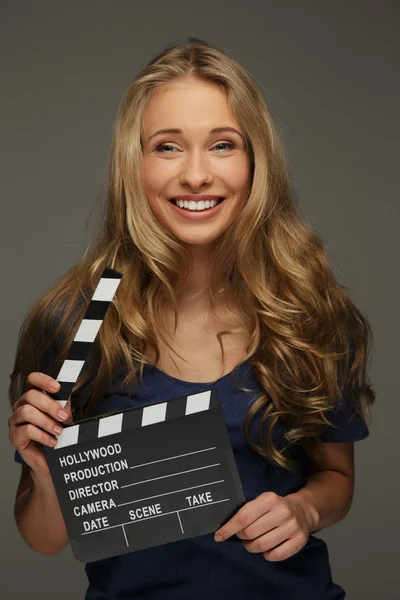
[{"x": 195, "y": 171}]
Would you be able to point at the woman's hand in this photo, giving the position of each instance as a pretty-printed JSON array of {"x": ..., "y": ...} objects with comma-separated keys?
[
  {"x": 34, "y": 420},
  {"x": 269, "y": 521}
]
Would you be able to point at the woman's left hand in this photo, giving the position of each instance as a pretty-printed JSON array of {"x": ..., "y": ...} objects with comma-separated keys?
[{"x": 269, "y": 521}]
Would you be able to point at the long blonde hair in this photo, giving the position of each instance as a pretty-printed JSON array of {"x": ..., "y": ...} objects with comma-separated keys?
[{"x": 308, "y": 341}]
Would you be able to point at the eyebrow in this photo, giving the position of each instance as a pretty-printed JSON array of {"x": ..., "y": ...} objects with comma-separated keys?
[{"x": 179, "y": 131}]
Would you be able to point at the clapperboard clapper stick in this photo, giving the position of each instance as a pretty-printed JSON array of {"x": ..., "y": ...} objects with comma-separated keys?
[{"x": 143, "y": 476}]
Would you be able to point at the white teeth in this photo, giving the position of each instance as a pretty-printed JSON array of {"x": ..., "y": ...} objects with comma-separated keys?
[{"x": 192, "y": 205}]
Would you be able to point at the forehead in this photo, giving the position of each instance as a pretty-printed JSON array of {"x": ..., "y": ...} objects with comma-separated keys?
[{"x": 187, "y": 104}]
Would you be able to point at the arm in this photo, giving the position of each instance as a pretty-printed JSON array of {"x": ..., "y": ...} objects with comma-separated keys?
[
  {"x": 279, "y": 526},
  {"x": 328, "y": 494},
  {"x": 36, "y": 510},
  {"x": 37, "y": 513}
]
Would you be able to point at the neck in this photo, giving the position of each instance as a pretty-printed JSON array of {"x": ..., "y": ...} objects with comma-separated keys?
[{"x": 194, "y": 293}]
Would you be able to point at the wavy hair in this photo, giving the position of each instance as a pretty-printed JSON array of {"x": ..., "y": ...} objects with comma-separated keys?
[{"x": 309, "y": 343}]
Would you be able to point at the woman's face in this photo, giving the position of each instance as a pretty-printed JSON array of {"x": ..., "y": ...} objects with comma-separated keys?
[{"x": 194, "y": 161}]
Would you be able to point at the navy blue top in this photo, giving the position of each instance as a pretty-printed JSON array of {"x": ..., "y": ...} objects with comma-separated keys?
[{"x": 199, "y": 568}]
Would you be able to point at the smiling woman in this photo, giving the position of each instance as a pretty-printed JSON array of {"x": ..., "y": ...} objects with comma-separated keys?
[{"x": 224, "y": 285}]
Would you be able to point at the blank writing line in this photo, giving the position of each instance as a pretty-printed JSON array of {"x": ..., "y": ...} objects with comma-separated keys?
[
  {"x": 155, "y": 516},
  {"x": 174, "y": 492},
  {"x": 172, "y": 475},
  {"x": 172, "y": 457}
]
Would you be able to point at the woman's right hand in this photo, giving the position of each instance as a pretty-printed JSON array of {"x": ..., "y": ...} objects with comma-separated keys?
[{"x": 34, "y": 417}]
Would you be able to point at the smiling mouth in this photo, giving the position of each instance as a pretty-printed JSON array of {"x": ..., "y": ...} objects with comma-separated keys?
[{"x": 192, "y": 206}]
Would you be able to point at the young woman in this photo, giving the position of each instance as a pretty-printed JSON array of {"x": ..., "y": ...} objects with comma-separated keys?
[{"x": 224, "y": 284}]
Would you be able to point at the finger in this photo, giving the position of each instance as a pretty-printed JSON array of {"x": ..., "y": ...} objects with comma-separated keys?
[
  {"x": 246, "y": 515},
  {"x": 46, "y": 404},
  {"x": 23, "y": 435},
  {"x": 284, "y": 550},
  {"x": 30, "y": 414},
  {"x": 260, "y": 526},
  {"x": 279, "y": 514},
  {"x": 64, "y": 407},
  {"x": 42, "y": 381},
  {"x": 267, "y": 541}
]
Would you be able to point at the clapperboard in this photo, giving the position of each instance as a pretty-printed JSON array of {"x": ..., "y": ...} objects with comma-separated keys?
[{"x": 139, "y": 477}]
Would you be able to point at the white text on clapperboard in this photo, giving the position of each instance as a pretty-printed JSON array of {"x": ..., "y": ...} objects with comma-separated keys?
[{"x": 91, "y": 472}]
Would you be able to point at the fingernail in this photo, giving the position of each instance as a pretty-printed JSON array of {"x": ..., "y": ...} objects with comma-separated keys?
[
  {"x": 58, "y": 429},
  {"x": 54, "y": 385},
  {"x": 62, "y": 415},
  {"x": 218, "y": 538}
]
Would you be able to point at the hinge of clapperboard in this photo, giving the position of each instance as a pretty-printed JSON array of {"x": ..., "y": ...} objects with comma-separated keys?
[{"x": 85, "y": 336}]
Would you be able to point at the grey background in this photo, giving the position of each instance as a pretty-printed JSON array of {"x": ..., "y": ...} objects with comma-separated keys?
[{"x": 329, "y": 71}]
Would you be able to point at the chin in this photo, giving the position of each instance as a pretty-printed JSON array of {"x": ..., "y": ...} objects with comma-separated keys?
[{"x": 196, "y": 241}]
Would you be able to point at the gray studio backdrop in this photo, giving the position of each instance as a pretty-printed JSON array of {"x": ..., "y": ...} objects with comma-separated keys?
[{"x": 329, "y": 73}]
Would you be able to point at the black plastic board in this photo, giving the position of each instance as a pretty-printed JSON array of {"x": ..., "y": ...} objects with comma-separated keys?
[{"x": 145, "y": 476}]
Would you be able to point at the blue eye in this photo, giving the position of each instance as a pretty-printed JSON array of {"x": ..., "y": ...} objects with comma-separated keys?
[
  {"x": 231, "y": 146},
  {"x": 158, "y": 149}
]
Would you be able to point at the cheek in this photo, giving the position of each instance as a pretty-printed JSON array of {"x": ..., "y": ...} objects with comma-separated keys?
[
  {"x": 239, "y": 172},
  {"x": 151, "y": 177}
]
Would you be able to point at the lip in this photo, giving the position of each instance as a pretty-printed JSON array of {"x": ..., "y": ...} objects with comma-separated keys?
[{"x": 196, "y": 215}]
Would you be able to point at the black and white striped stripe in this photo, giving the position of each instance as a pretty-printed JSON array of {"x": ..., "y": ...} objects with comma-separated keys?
[
  {"x": 131, "y": 418},
  {"x": 86, "y": 334}
]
